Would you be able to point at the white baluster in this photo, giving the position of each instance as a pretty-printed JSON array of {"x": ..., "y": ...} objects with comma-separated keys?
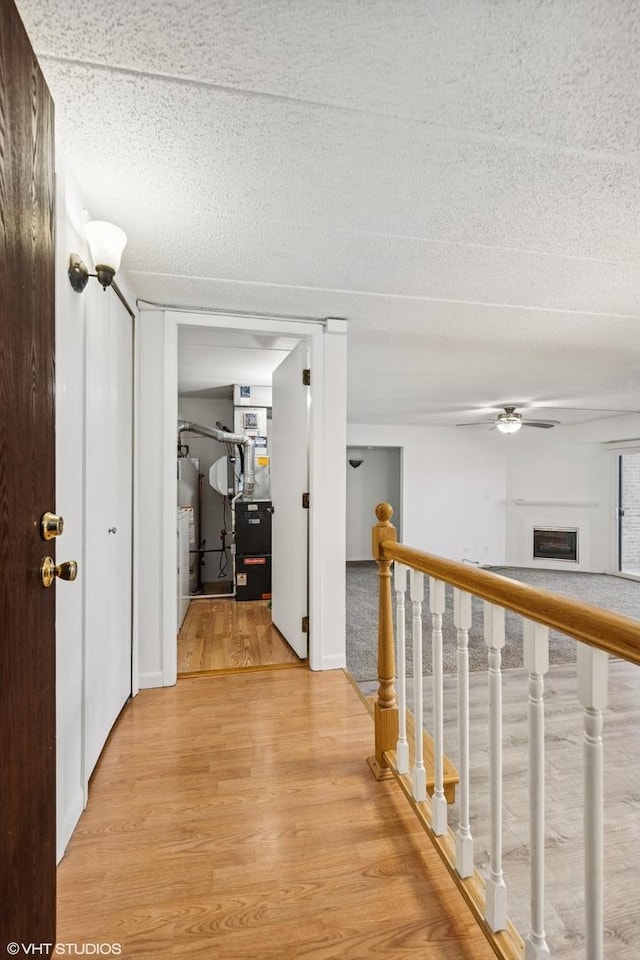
[
  {"x": 438, "y": 801},
  {"x": 536, "y": 661},
  {"x": 419, "y": 778},
  {"x": 592, "y": 692},
  {"x": 496, "y": 888},
  {"x": 462, "y": 623},
  {"x": 402, "y": 746}
]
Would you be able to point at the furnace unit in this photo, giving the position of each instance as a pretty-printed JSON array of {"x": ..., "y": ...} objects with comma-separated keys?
[{"x": 253, "y": 549}]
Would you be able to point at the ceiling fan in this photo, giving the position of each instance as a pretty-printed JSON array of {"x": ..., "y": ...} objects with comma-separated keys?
[{"x": 510, "y": 422}]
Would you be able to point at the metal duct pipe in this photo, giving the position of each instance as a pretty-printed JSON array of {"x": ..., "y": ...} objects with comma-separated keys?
[{"x": 187, "y": 426}]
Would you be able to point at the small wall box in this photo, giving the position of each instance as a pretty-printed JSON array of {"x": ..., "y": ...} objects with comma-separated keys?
[{"x": 251, "y": 396}]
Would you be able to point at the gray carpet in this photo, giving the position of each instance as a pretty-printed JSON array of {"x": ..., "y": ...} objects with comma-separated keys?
[{"x": 612, "y": 593}]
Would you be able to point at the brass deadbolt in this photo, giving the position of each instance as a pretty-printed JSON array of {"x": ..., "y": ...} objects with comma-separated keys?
[
  {"x": 51, "y": 526},
  {"x": 64, "y": 571}
]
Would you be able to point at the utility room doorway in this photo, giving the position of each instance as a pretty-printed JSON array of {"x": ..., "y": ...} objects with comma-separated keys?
[{"x": 243, "y": 436}]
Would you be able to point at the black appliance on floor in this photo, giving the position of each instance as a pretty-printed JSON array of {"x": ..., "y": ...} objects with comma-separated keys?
[{"x": 253, "y": 549}]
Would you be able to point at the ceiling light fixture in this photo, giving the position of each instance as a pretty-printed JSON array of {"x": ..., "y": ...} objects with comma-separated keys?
[
  {"x": 106, "y": 242},
  {"x": 509, "y": 422}
]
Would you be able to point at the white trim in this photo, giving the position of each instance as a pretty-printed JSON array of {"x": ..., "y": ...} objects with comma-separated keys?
[
  {"x": 326, "y": 637},
  {"x": 169, "y": 501},
  {"x": 150, "y": 680},
  {"x": 333, "y": 661},
  {"x": 72, "y": 814},
  {"x": 135, "y": 506},
  {"x": 614, "y": 526},
  {"x": 294, "y": 328},
  {"x": 316, "y": 486},
  {"x": 84, "y": 773}
]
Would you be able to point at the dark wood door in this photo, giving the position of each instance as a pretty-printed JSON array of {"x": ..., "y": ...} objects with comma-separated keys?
[{"x": 27, "y": 613}]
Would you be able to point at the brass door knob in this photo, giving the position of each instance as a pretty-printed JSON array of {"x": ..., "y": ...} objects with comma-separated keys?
[
  {"x": 51, "y": 525},
  {"x": 64, "y": 571}
]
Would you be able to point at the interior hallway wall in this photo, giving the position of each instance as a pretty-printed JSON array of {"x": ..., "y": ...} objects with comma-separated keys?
[{"x": 73, "y": 313}]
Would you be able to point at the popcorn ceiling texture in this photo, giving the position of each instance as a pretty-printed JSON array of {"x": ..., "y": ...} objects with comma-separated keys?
[{"x": 404, "y": 165}]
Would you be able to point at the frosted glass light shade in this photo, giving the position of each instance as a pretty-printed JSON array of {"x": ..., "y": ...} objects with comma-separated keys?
[
  {"x": 509, "y": 425},
  {"x": 106, "y": 242}
]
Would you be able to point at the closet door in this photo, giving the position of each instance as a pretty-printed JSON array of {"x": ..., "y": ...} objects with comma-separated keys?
[{"x": 108, "y": 521}]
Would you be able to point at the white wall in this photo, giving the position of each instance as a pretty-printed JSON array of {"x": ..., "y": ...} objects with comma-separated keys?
[
  {"x": 377, "y": 479},
  {"x": 206, "y": 412},
  {"x": 70, "y": 504},
  {"x": 552, "y": 481},
  {"x": 155, "y": 665},
  {"x": 454, "y": 487},
  {"x": 73, "y": 313},
  {"x": 566, "y": 477},
  {"x": 476, "y": 495}
]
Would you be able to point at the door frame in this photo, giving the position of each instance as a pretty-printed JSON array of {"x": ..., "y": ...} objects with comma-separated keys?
[
  {"x": 327, "y": 482},
  {"x": 628, "y": 449}
]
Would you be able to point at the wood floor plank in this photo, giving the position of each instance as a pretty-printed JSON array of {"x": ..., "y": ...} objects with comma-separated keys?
[
  {"x": 235, "y": 817},
  {"x": 222, "y": 634}
]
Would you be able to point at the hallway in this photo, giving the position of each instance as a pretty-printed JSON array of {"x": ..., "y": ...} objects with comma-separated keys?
[
  {"x": 235, "y": 816},
  {"x": 223, "y": 635}
]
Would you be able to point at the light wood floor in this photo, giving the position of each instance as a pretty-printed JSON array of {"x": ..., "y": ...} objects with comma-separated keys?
[
  {"x": 235, "y": 818},
  {"x": 226, "y": 635}
]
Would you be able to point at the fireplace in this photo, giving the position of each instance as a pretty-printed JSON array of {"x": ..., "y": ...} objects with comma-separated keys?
[{"x": 555, "y": 543}]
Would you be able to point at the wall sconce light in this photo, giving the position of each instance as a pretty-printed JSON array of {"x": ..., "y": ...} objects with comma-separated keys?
[
  {"x": 106, "y": 242},
  {"x": 355, "y": 463}
]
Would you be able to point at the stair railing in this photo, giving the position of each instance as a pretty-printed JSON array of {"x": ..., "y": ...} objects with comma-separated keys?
[{"x": 598, "y": 632}]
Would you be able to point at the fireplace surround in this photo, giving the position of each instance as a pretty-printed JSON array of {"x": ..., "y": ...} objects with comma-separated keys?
[{"x": 555, "y": 543}]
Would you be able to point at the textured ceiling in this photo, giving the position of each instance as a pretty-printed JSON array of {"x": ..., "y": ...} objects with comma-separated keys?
[{"x": 457, "y": 179}]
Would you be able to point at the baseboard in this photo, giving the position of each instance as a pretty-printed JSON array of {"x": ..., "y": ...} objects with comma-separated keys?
[
  {"x": 147, "y": 681},
  {"x": 335, "y": 661},
  {"x": 70, "y": 822}
]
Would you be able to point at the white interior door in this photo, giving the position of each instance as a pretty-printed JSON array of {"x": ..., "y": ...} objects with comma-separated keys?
[
  {"x": 289, "y": 480},
  {"x": 108, "y": 504}
]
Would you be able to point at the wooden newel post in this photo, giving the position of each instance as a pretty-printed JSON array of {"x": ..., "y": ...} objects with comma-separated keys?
[{"x": 385, "y": 708}]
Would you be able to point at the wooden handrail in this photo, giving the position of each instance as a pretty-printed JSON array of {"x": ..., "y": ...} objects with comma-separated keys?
[
  {"x": 600, "y": 629},
  {"x": 611, "y": 632}
]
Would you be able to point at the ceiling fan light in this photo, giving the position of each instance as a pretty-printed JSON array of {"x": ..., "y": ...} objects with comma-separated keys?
[{"x": 509, "y": 424}]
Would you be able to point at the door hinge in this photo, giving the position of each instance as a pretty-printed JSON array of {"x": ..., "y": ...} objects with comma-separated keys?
[
  {"x": 305, "y": 624},
  {"x": 306, "y": 377},
  {"x": 305, "y": 501}
]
